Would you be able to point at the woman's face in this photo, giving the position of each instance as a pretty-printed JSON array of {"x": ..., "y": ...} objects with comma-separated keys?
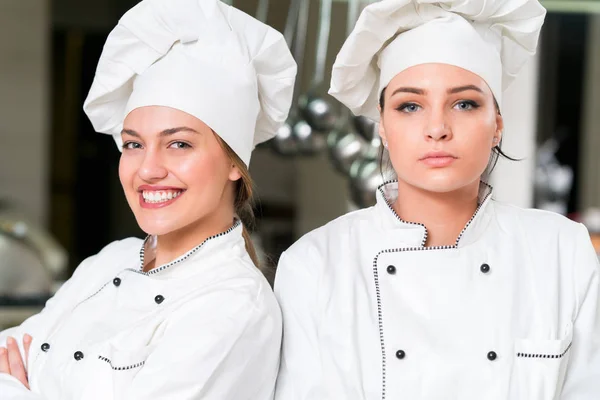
[
  {"x": 174, "y": 171},
  {"x": 440, "y": 123}
]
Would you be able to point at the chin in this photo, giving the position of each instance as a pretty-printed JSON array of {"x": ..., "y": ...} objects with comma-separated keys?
[
  {"x": 157, "y": 228},
  {"x": 442, "y": 183}
]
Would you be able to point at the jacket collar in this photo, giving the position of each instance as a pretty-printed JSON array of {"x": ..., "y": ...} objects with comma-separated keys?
[
  {"x": 227, "y": 244},
  {"x": 413, "y": 234}
]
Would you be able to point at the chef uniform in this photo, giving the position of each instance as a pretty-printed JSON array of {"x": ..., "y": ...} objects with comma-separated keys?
[
  {"x": 510, "y": 311},
  {"x": 206, "y": 325}
]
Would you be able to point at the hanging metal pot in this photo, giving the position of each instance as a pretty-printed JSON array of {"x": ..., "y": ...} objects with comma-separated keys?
[
  {"x": 366, "y": 127},
  {"x": 344, "y": 144},
  {"x": 365, "y": 178},
  {"x": 284, "y": 143}
]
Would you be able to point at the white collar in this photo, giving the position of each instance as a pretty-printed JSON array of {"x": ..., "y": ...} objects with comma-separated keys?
[
  {"x": 414, "y": 234},
  {"x": 223, "y": 243}
]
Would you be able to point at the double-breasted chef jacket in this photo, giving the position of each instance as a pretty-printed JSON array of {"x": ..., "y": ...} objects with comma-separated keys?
[
  {"x": 204, "y": 326},
  {"x": 511, "y": 311}
]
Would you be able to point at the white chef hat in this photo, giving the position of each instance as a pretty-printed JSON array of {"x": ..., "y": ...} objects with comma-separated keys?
[
  {"x": 202, "y": 57},
  {"x": 491, "y": 38}
]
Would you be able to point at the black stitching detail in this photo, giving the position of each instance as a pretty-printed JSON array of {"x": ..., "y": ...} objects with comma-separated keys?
[
  {"x": 399, "y": 250},
  {"x": 380, "y": 322},
  {"x": 185, "y": 256},
  {"x": 92, "y": 295},
  {"x": 462, "y": 232},
  {"x": 537, "y": 355},
  {"x": 106, "y": 360}
]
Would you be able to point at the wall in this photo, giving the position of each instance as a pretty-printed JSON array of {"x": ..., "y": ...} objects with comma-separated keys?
[
  {"x": 24, "y": 123},
  {"x": 590, "y": 143}
]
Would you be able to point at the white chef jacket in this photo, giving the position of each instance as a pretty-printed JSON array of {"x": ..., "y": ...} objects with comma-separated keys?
[
  {"x": 204, "y": 326},
  {"x": 511, "y": 311}
]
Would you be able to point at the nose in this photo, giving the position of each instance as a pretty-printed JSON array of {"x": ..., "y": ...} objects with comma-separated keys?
[
  {"x": 438, "y": 129},
  {"x": 152, "y": 168}
]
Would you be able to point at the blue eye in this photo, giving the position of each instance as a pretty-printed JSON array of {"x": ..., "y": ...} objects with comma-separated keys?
[
  {"x": 466, "y": 105},
  {"x": 409, "y": 107},
  {"x": 179, "y": 145},
  {"x": 131, "y": 145}
]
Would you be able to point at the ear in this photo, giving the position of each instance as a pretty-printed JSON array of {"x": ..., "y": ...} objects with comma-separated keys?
[
  {"x": 499, "y": 129},
  {"x": 382, "y": 134},
  {"x": 234, "y": 173},
  {"x": 380, "y": 127}
]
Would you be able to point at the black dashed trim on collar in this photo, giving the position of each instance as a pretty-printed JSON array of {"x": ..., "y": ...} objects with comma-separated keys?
[
  {"x": 183, "y": 257},
  {"x": 94, "y": 294},
  {"x": 424, "y": 240}
]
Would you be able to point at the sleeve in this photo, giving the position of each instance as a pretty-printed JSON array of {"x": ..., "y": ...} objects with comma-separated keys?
[
  {"x": 300, "y": 374},
  {"x": 224, "y": 346},
  {"x": 85, "y": 276},
  {"x": 51, "y": 309},
  {"x": 11, "y": 388},
  {"x": 582, "y": 379}
]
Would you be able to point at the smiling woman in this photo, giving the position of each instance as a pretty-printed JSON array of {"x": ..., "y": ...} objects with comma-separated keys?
[
  {"x": 185, "y": 313},
  {"x": 182, "y": 182}
]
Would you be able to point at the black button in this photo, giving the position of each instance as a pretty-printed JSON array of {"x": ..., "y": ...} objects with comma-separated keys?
[
  {"x": 45, "y": 347},
  {"x": 485, "y": 268},
  {"x": 78, "y": 355},
  {"x": 159, "y": 299},
  {"x": 391, "y": 270},
  {"x": 117, "y": 282},
  {"x": 492, "y": 355},
  {"x": 400, "y": 354}
]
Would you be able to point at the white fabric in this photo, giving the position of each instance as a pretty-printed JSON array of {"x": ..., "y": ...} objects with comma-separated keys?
[
  {"x": 202, "y": 57},
  {"x": 491, "y": 38},
  {"x": 216, "y": 335},
  {"x": 345, "y": 316}
]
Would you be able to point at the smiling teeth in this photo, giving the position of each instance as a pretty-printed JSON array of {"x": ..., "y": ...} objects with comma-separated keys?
[{"x": 160, "y": 196}]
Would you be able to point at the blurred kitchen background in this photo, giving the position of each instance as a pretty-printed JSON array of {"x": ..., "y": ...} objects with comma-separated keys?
[{"x": 60, "y": 197}]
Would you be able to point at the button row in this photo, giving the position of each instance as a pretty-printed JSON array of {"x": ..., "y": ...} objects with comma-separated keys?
[
  {"x": 492, "y": 356},
  {"x": 485, "y": 268},
  {"x": 78, "y": 355},
  {"x": 158, "y": 299}
]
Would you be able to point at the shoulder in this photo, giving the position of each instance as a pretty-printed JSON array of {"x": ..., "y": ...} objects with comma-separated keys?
[
  {"x": 237, "y": 293},
  {"x": 553, "y": 238},
  {"x": 306, "y": 260},
  {"x": 112, "y": 258},
  {"x": 330, "y": 234},
  {"x": 537, "y": 222},
  {"x": 237, "y": 282}
]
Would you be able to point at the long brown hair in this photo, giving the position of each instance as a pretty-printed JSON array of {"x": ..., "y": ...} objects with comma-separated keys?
[{"x": 243, "y": 202}]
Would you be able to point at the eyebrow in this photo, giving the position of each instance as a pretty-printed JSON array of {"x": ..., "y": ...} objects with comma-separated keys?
[
  {"x": 422, "y": 92},
  {"x": 408, "y": 90},
  {"x": 464, "y": 89},
  {"x": 166, "y": 132}
]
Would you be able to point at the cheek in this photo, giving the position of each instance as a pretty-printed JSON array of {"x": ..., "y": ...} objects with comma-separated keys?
[
  {"x": 127, "y": 170},
  {"x": 476, "y": 140},
  {"x": 404, "y": 138},
  {"x": 206, "y": 170}
]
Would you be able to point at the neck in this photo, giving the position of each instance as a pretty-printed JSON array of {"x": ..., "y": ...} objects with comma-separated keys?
[
  {"x": 174, "y": 244},
  {"x": 443, "y": 214}
]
